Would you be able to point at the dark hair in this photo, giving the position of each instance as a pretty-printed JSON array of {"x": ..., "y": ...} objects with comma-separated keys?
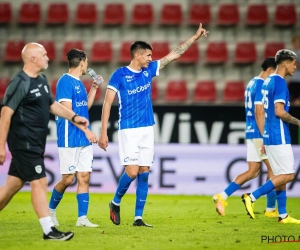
[
  {"x": 285, "y": 54},
  {"x": 269, "y": 62},
  {"x": 139, "y": 45},
  {"x": 75, "y": 56}
]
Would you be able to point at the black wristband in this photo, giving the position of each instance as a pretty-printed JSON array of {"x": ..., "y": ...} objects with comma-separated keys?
[{"x": 73, "y": 118}]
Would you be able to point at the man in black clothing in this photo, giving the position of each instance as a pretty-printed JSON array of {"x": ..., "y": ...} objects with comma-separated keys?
[{"x": 24, "y": 125}]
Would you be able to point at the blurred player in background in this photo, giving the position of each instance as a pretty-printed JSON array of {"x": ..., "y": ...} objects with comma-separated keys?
[
  {"x": 254, "y": 140},
  {"x": 74, "y": 146},
  {"x": 133, "y": 86},
  {"x": 276, "y": 135},
  {"x": 24, "y": 124}
]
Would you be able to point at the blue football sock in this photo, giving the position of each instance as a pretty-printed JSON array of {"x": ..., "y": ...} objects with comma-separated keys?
[
  {"x": 83, "y": 203},
  {"x": 232, "y": 187},
  {"x": 123, "y": 185},
  {"x": 271, "y": 199},
  {"x": 141, "y": 193},
  {"x": 55, "y": 199},
  {"x": 263, "y": 189},
  {"x": 281, "y": 201}
]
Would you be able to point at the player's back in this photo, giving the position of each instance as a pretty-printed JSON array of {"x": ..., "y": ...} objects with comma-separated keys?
[
  {"x": 274, "y": 90},
  {"x": 252, "y": 97}
]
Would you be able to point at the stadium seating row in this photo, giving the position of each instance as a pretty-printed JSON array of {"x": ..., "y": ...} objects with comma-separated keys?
[
  {"x": 204, "y": 91},
  {"x": 142, "y": 14},
  {"x": 102, "y": 52}
]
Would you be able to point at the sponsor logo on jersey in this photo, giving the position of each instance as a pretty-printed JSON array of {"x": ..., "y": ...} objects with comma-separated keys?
[
  {"x": 138, "y": 89},
  {"x": 129, "y": 78},
  {"x": 81, "y": 104}
]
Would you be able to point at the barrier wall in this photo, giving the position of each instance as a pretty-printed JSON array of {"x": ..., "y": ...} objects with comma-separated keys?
[{"x": 178, "y": 169}]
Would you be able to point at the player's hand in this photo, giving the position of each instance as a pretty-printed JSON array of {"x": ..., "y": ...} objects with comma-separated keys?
[
  {"x": 263, "y": 149},
  {"x": 81, "y": 121},
  {"x": 201, "y": 32},
  {"x": 2, "y": 155},
  {"x": 103, "y": 141},
  {"x": 91, "y": 136}
]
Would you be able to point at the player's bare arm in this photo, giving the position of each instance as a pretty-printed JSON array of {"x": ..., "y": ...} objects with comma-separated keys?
[
  {"x": 6, "y": 114},
  {"x": 108, "y": 100},
  {"x": 285, "y": 116},
  {"x": 260, "y": 117},
  {"x": 92, "y": 93},
  {"x": 178, "y": 51}
]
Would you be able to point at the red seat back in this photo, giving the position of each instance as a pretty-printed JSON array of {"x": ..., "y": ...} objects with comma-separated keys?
[
  {"x": 5, "y": 13},
  {"x": 114, "y": 13},
  {"x": 234, "y": 91},
  {"x": 13, "y": 51},
  {"x": 176, "y": 91},
  {"x": 271, "y": 48},
  {"x": 285, "y": 15},
  {"x": 68, "y": 45},
  {"x": 142, "y": 14},
  {"x": 101, "y": 52},
  {"x": 160, "y": 49},
  {"x": 205, "y": 91},
  {"x": 50, "y": 48},
  {"x": 199, "y": 13},
  {"x": 57, "y": 13},
  {"x": 191, "y": 55},
  {"x": 171, "y": 14},
  {"x": 228, "y": 14},
  {"x": 216, "y": 52},
  {"x": 30, "y": 13},
  {"x": 86, "y": 13},
  {"x": 245, "y": 52},
  {"x": 257, "y": 14}
]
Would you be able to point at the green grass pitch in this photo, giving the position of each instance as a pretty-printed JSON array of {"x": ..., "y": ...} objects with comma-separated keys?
[{"x": 180, "y": 222}]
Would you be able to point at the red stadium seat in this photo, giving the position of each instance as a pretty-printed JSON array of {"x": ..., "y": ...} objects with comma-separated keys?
[
  {"x": 114, "y": 13},
  {"x": 285, "y": 15},
  {"x": 101, "y": 52},
  {"x": 234, "y": 91},
  {"x": 216, "y": 52},
  {"x": 3, "y": 85},
  {"x": 50, "y": 48},
  {"x": 160, "y": 49},
  {"x": 88, "y": 84},
  {"x": 5, "y": 13},
  {"x": 199, "y": 13},
  {"x": 30, "y": 13},
  {"x": 142, "y": 14},
  {"x": 86, "y": 13},
  {"x": 13, "y": 51},
  {"x": 124, "y": 56},
  {"x": 191, "y": 55},
  {"x": 257, "y": 14},
  {"x": 228, "y": 14},
  {"x": 272, "y": 47},
  {"x": 245, "y": 52},
  {"x": 57, "y": 13},
  {"x": 176, "y": 91},
  {"x": 154, "y": 94},
  {"x": 68, "y": 45},
  {"x": 171, "y": 14},
  {"x": 205, "y": 91},
  {"x": 53, "y": 87}
]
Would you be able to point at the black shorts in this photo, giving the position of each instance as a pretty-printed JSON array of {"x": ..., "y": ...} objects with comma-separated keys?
[{"x": 27, "y": 165}]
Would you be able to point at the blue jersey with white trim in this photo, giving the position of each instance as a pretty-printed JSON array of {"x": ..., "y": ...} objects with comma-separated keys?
[
  {"x": 253, "y": 97},
  {"x": 134, "y": 94},
  {"x": 71, "y": 89},
  {"x": 276, "y": 131}
]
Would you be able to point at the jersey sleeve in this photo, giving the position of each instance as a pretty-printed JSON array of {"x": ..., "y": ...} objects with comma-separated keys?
[
  {"x": 114, "y": 81},
  {"x": 154, "y": 68},
  {"x": 258, "y": 94},
  {"x": 280, "y": 89},
  {"x": 64, "y": 90},
  {"x": 15, "y": 92}
]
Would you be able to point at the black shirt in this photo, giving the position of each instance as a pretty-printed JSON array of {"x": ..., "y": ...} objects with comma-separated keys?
[{"x": 30, "y": 98}]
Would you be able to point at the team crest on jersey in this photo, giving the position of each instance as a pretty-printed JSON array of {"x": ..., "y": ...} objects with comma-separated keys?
[
  {"x": 145, "y": 73},
  {"x": 77, "y": 89},
  {"x": 38, "y": 169},
  {"x": 46, "y": 89}
]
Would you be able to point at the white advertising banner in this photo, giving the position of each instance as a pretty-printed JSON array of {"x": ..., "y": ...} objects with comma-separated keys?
[{"x": 178, "y": 169}]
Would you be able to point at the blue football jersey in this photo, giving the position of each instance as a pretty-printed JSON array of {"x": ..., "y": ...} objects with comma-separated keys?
[
  {"x": 253, "y": 97},
  {"x": 276, "y": 131},
  {"x": 134, "y": 94},
  {"x": 71, "y": 89}
]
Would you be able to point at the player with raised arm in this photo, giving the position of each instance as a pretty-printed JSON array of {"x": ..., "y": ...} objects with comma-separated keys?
[
  {"x": 276, "y": 136},
  {"x": 133, "y": 85},
  {"x": 74, "y": 146},
  {"x": 253, "y": 107}
]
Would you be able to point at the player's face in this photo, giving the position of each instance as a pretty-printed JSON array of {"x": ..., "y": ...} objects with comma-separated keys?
[
  {"x": 84, "y": 66},
  {"x": 291, "y": 66},
  {"x": 42, "y": 58},
  {"x": 144, "y": 57}
]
